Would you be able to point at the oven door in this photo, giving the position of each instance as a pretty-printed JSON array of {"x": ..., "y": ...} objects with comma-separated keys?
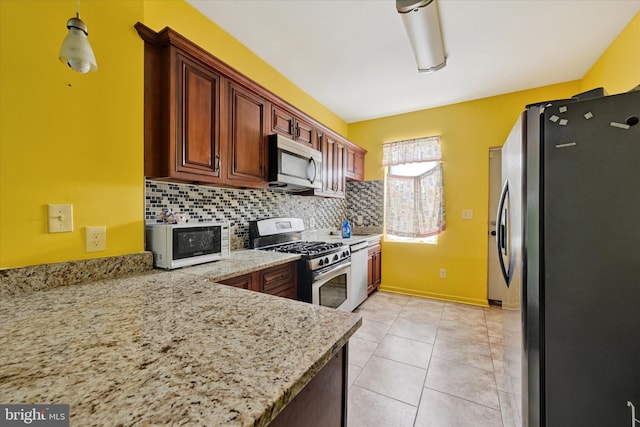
[{"x": 331, "y": 286}]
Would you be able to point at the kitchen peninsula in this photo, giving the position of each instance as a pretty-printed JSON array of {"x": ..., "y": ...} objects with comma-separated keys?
[{"x": 171, "y": 348}]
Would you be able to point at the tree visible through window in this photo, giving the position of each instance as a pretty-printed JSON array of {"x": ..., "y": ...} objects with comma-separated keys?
[{"x": 414, "y": 197}]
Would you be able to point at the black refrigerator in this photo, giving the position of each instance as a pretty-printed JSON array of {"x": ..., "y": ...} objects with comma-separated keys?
[{"x": 569, "y": 247}]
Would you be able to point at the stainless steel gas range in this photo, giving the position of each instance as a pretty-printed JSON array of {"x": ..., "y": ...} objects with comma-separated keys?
[{"x": 324, "y": 271}]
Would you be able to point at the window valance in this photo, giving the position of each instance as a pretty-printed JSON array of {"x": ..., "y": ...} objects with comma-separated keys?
[{"x": 412, "y": 151}]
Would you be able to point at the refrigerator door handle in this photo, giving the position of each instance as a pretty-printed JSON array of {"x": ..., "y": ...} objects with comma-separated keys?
[{"x": 502, "y": 228}]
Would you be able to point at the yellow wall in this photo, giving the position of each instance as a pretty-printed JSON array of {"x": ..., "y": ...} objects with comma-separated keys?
[
  {"x": 67, "y": 137},
  {"x": 618, "y": 69},
  {"x": 71, "y": 138},
  {"x": 186, "y": 20},
  {"x": 467, "y": 130},
  {"x": 78, "y": 139}
]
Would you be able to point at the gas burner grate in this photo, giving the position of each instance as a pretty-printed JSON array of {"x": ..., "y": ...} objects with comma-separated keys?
[{"x": 306, "y": 248}]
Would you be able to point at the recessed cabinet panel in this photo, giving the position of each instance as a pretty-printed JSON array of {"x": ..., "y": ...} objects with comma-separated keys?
[
  {"x": 355, "y": 163},
  {"x": 282, "y": 122},
  {"x": 247, "y": 138},
  {"x": 304, "y": 133},
  {"x": 333, "y": 167},
  {"x": 374, "y": 264},
  {"x": 198, "y": 120}
]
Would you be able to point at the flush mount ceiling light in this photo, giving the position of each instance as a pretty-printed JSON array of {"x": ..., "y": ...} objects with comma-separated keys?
[
  {"x": 422, "y": 24},
  {"x": 76, "y": 51}
]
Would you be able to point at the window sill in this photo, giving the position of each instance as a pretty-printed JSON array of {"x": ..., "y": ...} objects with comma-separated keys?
[{"x": 431, "y": 240}]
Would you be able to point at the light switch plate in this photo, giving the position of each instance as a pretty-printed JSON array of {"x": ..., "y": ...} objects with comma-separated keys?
[
  {"x": 60, "y": 218},
  {"x": 467, "y": 214}
]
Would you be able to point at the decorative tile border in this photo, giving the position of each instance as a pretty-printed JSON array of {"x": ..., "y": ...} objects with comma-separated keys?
[{"x": 47, "y": 276}]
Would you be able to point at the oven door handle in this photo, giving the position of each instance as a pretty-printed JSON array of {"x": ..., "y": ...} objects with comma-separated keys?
[{"x": 319, "y": 275}]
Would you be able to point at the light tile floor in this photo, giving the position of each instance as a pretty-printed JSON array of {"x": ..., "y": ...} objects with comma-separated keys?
[{"x": 418, "y": 362}]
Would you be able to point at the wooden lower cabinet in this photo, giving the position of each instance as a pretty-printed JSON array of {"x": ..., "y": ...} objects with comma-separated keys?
[
  {"x": 323, "y": 401},
  {"x": 374, "y": 264},
  {"x": 281, "y": 280},
  {"x": 243, "y": 282}
]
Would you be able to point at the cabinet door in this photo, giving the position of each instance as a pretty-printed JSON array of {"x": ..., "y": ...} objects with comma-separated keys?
[
  {"x": 197, "y": 120},
  {"x": 247, "y": 138},
  {"x": 374, "y": 265},
  {"x": 281, "y": 280},
  {"x": 245, "y": 281},
  {"x": 305, "y": 133},
  {"x": 355, "y": 164},
  {"x": 333, "y": 166},
  {"x": 339, "y": 169},
  {"x": 371, "y": 274},
  {"x": 377, "y": 266},
  {"x": 282, "y": 122}
]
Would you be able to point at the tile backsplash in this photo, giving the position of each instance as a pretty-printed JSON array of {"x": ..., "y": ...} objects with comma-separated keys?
[
  {"x": 238, "y": 207},
  {"x": 366, "y": 200}
]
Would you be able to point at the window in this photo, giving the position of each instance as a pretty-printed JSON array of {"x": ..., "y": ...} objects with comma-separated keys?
[{"x": 414, "y": 196}]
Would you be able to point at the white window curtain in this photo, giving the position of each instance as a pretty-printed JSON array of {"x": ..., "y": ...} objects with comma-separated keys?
[{"x": 415, "y": 204}]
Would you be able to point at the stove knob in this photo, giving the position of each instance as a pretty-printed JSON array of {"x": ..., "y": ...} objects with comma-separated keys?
[
  {"x": 326, "y": 260},
  {"x": 320, "y": 262},
  {"x": 336, "y": 257},
  {"x": 345, "y": 254}
]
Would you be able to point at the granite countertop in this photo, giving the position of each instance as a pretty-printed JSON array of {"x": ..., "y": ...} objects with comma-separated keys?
[
  {"x": 240, "y": 262},
  {"x": 164, "y": 348},
  {"x": 325, "y": 236}
]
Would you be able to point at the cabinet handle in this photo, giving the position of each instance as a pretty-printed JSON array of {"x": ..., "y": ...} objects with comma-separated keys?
[{"x": 216, "y": 165}]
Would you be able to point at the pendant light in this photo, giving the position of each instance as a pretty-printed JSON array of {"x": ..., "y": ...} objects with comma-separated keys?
[{"x": 76, "y": 51}]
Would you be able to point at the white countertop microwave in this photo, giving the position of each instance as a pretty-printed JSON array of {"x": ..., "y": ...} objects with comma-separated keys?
[{"x": 181, "y": 245}]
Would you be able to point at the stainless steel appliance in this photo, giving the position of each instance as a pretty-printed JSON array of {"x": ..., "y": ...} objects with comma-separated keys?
[
  {"x": 359, "y": 273},
  {"x": 324, "y": 272},
  {"x": 180, "y": 245},
  {"x": 569, "y": 242},
  {"x": 293, "y": 166}
]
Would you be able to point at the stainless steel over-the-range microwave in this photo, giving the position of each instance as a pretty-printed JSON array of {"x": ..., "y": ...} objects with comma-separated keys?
[
  {"x": 293, "y": 166},
  {"x": 180, "y": 245}
]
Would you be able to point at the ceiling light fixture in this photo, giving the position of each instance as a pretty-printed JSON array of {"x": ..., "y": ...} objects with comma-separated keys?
[
  {"x": 76, "y": 51},
  {"x": 422, "y": 24}
]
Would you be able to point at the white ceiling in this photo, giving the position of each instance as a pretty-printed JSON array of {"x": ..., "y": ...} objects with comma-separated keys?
[{"x": 354, "y": 57}]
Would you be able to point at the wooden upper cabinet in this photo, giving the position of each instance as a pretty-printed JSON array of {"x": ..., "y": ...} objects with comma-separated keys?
[
  {"x": 182, "y": 134},
  {"x": 282, "y": 122},
  {"x": 205, "y": 122},
  {"x": 355, "y": 163},
  {"x": 305, "y": 133},
  {"x": 333, "y": 166},
  {"x": 293, "y": 127},
  {"x": 197, "y": 118},
  {"x": 247, "y": 136}
]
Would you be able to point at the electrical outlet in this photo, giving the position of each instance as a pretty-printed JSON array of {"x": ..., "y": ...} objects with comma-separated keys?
[
  {"x": 443, "y": 273},
  {"x": 360, "y": 220},
  {"x": 312, "y": 223},
  {"x": 467, "y": 214},
  {"x": 60, "y": 218},
  {"x": 96, "y": 239}
]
